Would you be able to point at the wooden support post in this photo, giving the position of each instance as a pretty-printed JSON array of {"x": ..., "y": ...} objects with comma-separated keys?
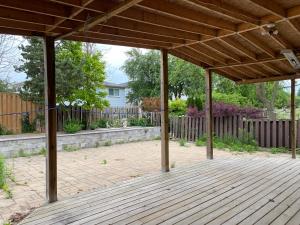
[
  {"x": 50, "y": 119},
  {"x": 164, "y": 92},
  {"x": 293, "y": 122},
  {"x": 208, "y": 114}
]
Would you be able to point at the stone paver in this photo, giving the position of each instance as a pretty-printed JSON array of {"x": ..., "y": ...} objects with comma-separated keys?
[{"x": 88, "y": 169}]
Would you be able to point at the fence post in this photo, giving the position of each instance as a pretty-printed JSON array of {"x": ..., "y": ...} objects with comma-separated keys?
[{"x": 293, "y": 123}]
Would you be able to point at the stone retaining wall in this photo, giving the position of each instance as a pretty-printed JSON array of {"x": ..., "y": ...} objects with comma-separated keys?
[{"x": 12, "y": 145}]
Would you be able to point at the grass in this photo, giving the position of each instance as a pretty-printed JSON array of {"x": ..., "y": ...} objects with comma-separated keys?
[
  {"x": 5, "y": 174},
  {"x": 103, "y": 162},
  {"x": 182, "y": 142},
  {"x": 22, "y": 153},
  {"x": 108, "y": 143},
  {"x": 244, "y": 144},
  {"x": 70, "y": 148},
  {"x": 173, "y": 164},
  {"x": 279, "y": 150}
]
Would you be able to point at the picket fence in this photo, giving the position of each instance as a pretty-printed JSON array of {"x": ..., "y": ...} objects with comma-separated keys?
[{"x": 267, "y": 133}]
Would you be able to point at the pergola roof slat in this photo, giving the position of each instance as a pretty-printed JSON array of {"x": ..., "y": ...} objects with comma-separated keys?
[{"x": 223, "y": 36}]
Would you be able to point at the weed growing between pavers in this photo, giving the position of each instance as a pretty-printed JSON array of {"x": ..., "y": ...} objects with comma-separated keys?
[{"x": 5, "y": 174}]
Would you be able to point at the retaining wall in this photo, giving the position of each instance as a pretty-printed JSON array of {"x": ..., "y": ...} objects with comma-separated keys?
[{"x": 12, "y": 145}]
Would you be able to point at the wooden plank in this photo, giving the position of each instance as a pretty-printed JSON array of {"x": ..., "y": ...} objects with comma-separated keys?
[
  {"x": 164, "y": 110},
  {"x": 274, "y": 133},
  {"x": 293, "y": 119},
  {"x": 280, "y": 133},
  {"x": 262, "y": 133},
  {"x": 98, "y": 217},
  {"x": 208, "y": 114},
  {"x": 268, "y": 134},
  {"x": 50, "y": 119}
]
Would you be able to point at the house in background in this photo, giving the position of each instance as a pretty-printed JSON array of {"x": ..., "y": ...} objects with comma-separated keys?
[{"x": 117, "y": 94}]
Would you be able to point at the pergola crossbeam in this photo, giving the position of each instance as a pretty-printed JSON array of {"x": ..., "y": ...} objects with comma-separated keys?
[{"x": 102, "y": 18}]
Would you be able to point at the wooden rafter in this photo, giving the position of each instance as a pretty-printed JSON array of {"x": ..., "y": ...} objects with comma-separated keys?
[
  {"x": 204, "y": 50},
  {"x": 258, "y": 44},
  {"x": 102, "y": 18},
  {"x": 223, "y": 8},
  {"x": 271, "y": 6},
  {"x": 239, "y": 47},
  {"x": 219, "y": 49},
  {"x": 167, "y": 7},
  {"x": 74, "y": 12},
  {"x": 267, "y": 79}
]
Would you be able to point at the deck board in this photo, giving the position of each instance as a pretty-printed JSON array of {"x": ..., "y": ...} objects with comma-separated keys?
[{"x": 229, "y": 191}]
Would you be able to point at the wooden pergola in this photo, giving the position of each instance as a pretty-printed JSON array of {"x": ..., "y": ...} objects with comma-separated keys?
[{"x": 241, "y": 40}]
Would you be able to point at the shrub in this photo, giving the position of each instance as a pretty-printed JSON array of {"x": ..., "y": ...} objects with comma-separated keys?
[
  {"x": 2, "y": 172},
  {"x": 196, "y": 102},
  {"x": 27, "y": 126},
  {"x": 222, "y": 109},
  {"x": 177, "y": 107},
  {"x": 182, "y": 142},
  {"x": 4, "y": 131},
  {"x": 142, "y": 122},
  {"x": 72, "y": 126},
  {"x": 101, "y": 123},
  {"x": 245, "y": 143},
  {"x": 94, "y": 126}
]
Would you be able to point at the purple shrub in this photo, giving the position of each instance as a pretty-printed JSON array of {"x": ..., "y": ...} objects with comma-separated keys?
[{"x": 222, "y": 109}]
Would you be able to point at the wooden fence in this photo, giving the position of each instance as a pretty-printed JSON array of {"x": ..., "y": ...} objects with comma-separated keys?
[
  {"x": 267, "y": 133},
  {"x": 12, "y": 108}
]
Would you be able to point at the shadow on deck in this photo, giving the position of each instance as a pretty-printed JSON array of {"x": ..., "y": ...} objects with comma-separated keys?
[{"x": 230, "y": 191}]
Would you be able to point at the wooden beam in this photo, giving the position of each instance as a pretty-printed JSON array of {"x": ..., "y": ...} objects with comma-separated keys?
[
  {"x": 179, "y": 11},
  {"x": 50, "y": 119},
  {"x": 270, "y": 6},
  {"x": 149, "y": 28},
  {"x": 225, "y": 9},
  {"x": 239, "y": 47},
  {"x": 124, "y": 5},
  {"x": 164, "y": 93},
  {"x": 293, "y": 119},
  {"x": 267, "y": 79},
  {"x": 213, "y": 45},
  {"x": 205, "y": 51},
  {"x": 208, "y": 114},
  {"x": 258, "y": 44}
]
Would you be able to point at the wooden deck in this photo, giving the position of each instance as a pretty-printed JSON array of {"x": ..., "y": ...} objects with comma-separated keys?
[{"x": 222, "y": 191}]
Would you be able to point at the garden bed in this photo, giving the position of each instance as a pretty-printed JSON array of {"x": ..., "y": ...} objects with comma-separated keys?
[{"x": 21, "y": 145}]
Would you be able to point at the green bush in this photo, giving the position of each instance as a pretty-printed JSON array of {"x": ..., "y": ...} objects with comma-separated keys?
[
  {"x": 4, "y": 131},
  {"x": 27, "y": 126},
  {"x": 2, "y": 172},
  {"x": 233, "y": 99},
  {"x": 195, "y": 102},
  {"x": 243, "y": 144},
  {"x": 177, "y": 107},
  {"x": 94, "y": 126},
  {"x": 141, "y": 122},
  {"x": 72, "y": 126},
  {"x": 101, "y": 123}
]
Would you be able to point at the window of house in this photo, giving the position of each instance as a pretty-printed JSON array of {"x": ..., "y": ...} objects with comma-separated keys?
[{"x": 113, "y": 92}]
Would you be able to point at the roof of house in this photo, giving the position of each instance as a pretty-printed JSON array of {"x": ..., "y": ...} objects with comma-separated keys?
[
  {"x": 110, "y": 84},
  {"x": 241, "y": 40}
]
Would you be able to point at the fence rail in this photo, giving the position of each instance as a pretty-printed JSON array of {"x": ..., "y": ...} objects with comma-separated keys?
[{"x": 267, "y": 133}]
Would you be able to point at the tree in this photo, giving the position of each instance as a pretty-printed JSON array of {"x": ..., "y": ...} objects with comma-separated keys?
[
  {"x": 32, "y": 64},
  {"x": 79, "y": 74},
  {"x": 143, "y": 70},
  {"x": 7, "y": 52},
  {"x": 89, "y": 95}
]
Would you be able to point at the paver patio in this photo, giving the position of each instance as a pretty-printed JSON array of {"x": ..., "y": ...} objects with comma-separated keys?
[{"x": 87, "y": 169}]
